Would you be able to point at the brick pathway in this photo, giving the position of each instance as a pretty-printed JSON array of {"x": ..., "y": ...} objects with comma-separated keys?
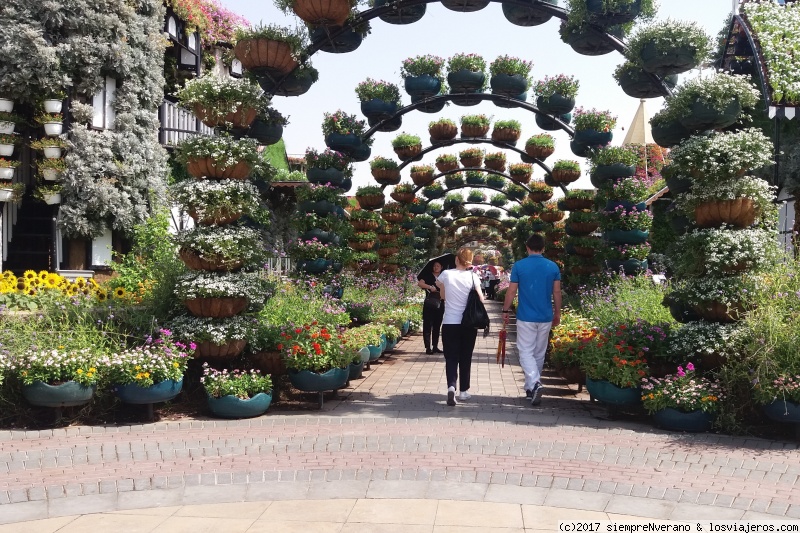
[{"x": 394, "y": 425}]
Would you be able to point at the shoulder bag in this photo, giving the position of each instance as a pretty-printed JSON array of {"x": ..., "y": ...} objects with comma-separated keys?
[{"x": 475, "y": 314}]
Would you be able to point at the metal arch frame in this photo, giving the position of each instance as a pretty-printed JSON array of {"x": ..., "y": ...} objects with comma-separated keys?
[
  {"x": 484, "y": 185},
  {"x": 454, "y": 226},
  {"x": 490, "y": 205},
  {"x": 454, "y": 97},
  {"x": 369, "y": 14},
  {"x": 429, "y": 200},
  {"x": 757, "y": 56}
]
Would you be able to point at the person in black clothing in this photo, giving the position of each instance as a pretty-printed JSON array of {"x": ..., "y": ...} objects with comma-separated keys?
[{"x": 431, "y": 318}]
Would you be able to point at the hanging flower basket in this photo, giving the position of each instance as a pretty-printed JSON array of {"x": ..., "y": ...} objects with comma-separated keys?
[
  {"x": 403, "y": 197},
  {"x": 605, "y": 173},
  {"x": 206, "y": 167},
  {"x": 583, "y": 251},
  {"x": 506, "y": 135},
  {"x": 540, "y": 196},
  {"x": 740, "y": 213},
  {"x": 618, "y": 236},
  {"x": 392, "y": 125},
  {"x": 387, "y": 238},
  {"x": 405, "y": 15},
  {"x": 508, "y": 85},
  {"x": 565, "y": 176},
  {"x": 703, "y": 116},
  {"x": 578, "y": 204},
  {"x": 471, "y": 162},
  {"x": 637, "y": 83},
  {"x": 446, "y": 166},
  {"x": 194, "y": 261},
  {"x": 548, "y": 124},
  {"x": 378, "y": 109},
  {"x": 221, "y": 217},
  {"x": 630, "y": 267},
  {"x": 386, "y": 176},
  {"x": 465, "y": 6},
  {"x": 319, "y": 207},
  {"x": 314, "y": 266},
  {"x": 228, "y": 350},
  {"x": 625, "y": 12},
  {"x": 588, "y": 42},
  {"x": 539, "y": 152},
  {"x": 266, "y": 134},
  {"x": 347, "y": 41},
  {"x": 241, "y": 118},
  {"x": 443, "y": 131},
  {"x": 388, "y": 252},
  {"x": 669, "y": 134},
  {"x": 470, "y": 130},
  {"x": 371, "y": 201},
  {"x": 422, "y": 179},
  {"x": 365, "y": 225},
  {"x": 555, "y": 104},
  {"x": 408, "y": 152},
  {"x": 296, "y": 83},
  {"x": 7, "y": 106},
  {"x": 322, "y": 12},
  {"x": 393, "y": 217},
  {"x": 321, "y": 176},
  {"x": 423, "y": 86},
  {"x": 265, "y": 53},
  {"x": 216, "y": 307},
  {"x": 663, "y": 62}
]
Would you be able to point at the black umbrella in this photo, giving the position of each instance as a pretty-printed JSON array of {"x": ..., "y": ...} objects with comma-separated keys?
[{"x": 447, "y": 261}]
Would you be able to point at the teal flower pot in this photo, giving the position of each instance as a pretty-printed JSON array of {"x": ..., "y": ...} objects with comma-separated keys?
[
  {"x": 605, "y": 392},
  {"x": 670, "y": 134},
  {"x": 593, "y": 137},
  {"x": 678, "y": 184},
  {"x": 67, "y": 394},
  {"x": 406, "y": 327},
  {"x": 630, "y": 267},
  {"x": 295, "y": 83},
  {"x": 423, "y": 86},
  {"x": 405, "y": 15},
  {"x": 383, "y": 342},
  {"x": 465, "y": 6},
  {"x": 390, "y": 344},
  {"x": 320, "y": 207},
  {"x": 783, "y": 411},
  {"x": 638, "y": 84},
  {"x": 428, "y": 107},
  {"x": 624, "y": 13},
  {"x": 618, "y": 236},
  {"x": 555, "y": 104},
  {"x": 346, "y": 185},
  {"x": 342, "y": 142},
  {"x": 321, "y": 176},
  {"x": 156, "y": 393},
  {"x": 664, "y": 62},
  {"x": 343, "y": 43},
  {"x": 325, "y": 237},
  {"x": 548, "y": 124},
  {"x": 604, "y": 173},
  {"x": 675, "y": 420},
  {"x": 392, "y": 125},
  {"x": 465, "y": 81},
  {"x": 377, "y": 108},
  {"x": 508, "y": 85},
  {"x": 315, "y": 266},
  {"x": 264, "y": 133},
  {"x": 526, "y": 16},
  {"x": 307, "y": 381},
  {"x": 232, "y": 407},
  {"x": 374, "y": 352},
  {"x": 704, "y": 117},
  {"x": 365, "y": 354},
  {"x": 360, "y": 153},
  {"x": 355, "y": 370}
]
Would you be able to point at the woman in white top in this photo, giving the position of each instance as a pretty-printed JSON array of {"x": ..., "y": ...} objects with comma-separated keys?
[{"x": 458, "y": 341}]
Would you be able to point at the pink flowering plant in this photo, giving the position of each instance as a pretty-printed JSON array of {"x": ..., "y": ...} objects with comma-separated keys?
[
  {"x": 511, "y": 66},
  {"x": 423, "y": 65},
  {"x": 158, "y": 359},
  {"x": 625, "y": 189},
  {"x": 563, "y": 85},
  {"x": 327, "y": 159},
  {"x": 378, "y": 89},
  {"x": 344, "y": 124},
  {"x": 593, "y": 120},
  {"x": 626, "y": 219},
  {"x": 244, "y": 384},
  {"x": 684, "y": 391}
]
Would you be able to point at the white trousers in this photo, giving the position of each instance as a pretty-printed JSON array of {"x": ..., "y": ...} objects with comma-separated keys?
[{"x": 532, "y": 340}]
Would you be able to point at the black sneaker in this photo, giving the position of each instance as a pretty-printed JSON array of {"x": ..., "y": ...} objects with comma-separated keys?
[
  {"x": 436, "y": 350},
  {"x": 528, "y": 393},
  {"x": 536, "y": 394},
  {"x": 428, "y": 351}
]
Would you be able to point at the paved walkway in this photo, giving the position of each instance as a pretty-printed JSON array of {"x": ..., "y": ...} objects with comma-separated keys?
[{"x": 391, "y": 436}]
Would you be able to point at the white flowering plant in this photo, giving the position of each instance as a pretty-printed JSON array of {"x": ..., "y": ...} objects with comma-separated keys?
[
  {"x": 723, "y": 155},
  {"x": 668, "y": 35},
  {"x": 757, "y": 190},
  {"x": 219, "y": 96},
  {"x": 244, "y": 384},
  {"x": 156, "y": 360},
  {"x": 56, "y": 366},
  {"x": 248, "y": 285},
  {"x": 226, "y": 243},
  {"x": 297, "y": 38},
  {"x": 720, "y": 252},
  {"x": 209, "y": 199},
  {"x": 695, "y": 338},
  {"x": 716, "y": 91},
  {"x": 223, "y": 149},
  {"x": 684, "y": 391},
  {"x": 213, "y": 330},
  {"x": 632, "y": 189},
  {"x": 734, "y": 291}
]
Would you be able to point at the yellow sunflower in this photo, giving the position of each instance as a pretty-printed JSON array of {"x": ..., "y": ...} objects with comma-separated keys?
[
  {"x": 119, "y": 292},
  {"x": 102, "y": 295},
  {"x": 93, "y": 283},
  {"x": 8, "y": 274},
  {"x": 43, "y": 275},
  {"x": 52, "y": 281},
  {"x": 29, "y": 274},
  {"x": 80, "y": 282},
  {"x": 31, "y": 292}
]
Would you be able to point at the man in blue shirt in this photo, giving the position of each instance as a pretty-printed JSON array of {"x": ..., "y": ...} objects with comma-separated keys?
[{"x": 539, "y": 308}]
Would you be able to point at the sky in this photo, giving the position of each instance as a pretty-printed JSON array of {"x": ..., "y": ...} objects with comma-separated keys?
[{"x": 444, "y": 33}]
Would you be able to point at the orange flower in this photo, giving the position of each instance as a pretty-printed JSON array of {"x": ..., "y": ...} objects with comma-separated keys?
[{"x": 280, "y": 346}]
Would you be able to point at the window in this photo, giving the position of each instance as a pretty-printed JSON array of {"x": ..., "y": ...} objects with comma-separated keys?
[{"x": 103, "y": 104}]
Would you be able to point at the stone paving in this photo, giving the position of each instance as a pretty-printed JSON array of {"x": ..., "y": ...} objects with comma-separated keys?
[{"x": 391, "y": 435}]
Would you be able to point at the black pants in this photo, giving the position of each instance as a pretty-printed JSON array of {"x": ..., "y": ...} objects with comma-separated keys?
[
  {"x": 492, "y": 290},
  {"x": 431, "y": 324},
  {"x": 459, "y": 343}
]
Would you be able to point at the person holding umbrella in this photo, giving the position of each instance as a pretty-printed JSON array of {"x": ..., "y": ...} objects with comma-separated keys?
[
  {"x": 458, "y": 341},
  {"x": 432, "y": 307}
]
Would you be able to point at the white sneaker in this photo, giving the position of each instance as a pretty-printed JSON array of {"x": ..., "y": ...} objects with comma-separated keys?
[
  {"x": 451, "y": 396},
  {"x": 464, "y": 396}
]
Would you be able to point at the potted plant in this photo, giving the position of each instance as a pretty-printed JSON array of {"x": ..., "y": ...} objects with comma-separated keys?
[
  {"x": 11, "y": 192},
  {"x": 401, "y": 16},
  {"x": 222, "y": 248},
  {"x": 236, "y": 393},
  {"x": 364, "y": 220},
  {"x": 498, "y": 200},
  {"x": 631, "y": 259},
  {"x": 714, "y": 102},
  {"x": 269, "y": 47},
  {"x": 362, "y": 241},
  {"x": 7, "y": 143},
  {"x": 683, "y": 401},
  {"x": 7, "y": 167},
  {"x": 407, "y": 146},
  {"x": 385, "y": 171},
  {"x": 475, "y": 177},
  {"x": 540, "y": 191},
  {"x": 8, "y": 121},
  {"x": 267, "y": 128},
  {"x": 327, "y": 13},
  {"x": 581, "y": 223},
  {"x": 453, "y": 199},
  {"x": 58, "y": 377},
  {"x": 611, "y": 163},
  {"x": 738, "y": 203},
  {"x": 626, "y": 226},
  {"x": 151, "y": 372},
  {"x": 565, "y": 171},
  {"x": 6, "y": 105},
  {"x": 510, "y": 75},
  {"x": 222, "y": 102},
  {"x": 475, "y": 125},
  {"x": 579, "y": 199},
  {"x": 219, "y": 157},
  {"x": 442, "y": 129},
  {"x": 422, "y": 75},
  {"x": 315, "y": 357},
  {"x": 53, "y": 102},
  {"x": 51, "y": 147},
  {"x": 466, "y": 73},
  {"x": 495, "y": 161},
  {"x": 328, "y": 166},
  {"x": 403, "y": 193},
  {"x": 507, "y": 131},
  {"x": 515, "y": 192},
  {"x": 471, "y": 157},
  {"x": 379, "y": 99},
  {"x": 551, "y": 213},
  {"x": 624, "y": 192},
  {"x": 666, "y": 127},
  {"x": 52, "y": 123},
  {"x": 555, "y": 95},
  {"x": 606, "y": 13},
  {"x": 540, "y": 146},
  {"x": 721, "y": 252},
  {"x": 520, "y": 172},
  {"x": 668, "y": 47},
  {"x": 370, "y": 197},
  {"x": 638, "y": 83},
  {"x": 422, "y": 175},
  {"x": 593, "y": 127},
  {"x": 297, "y": 82},
  {"x": 722, "y": 156},
  {"x": 613, "y": 371},
  {"x": 49, "y": 194},
  {"x": 446, "y": 162},
  {"x": 476, "y": 197},
  {"x": 495, "y": 181},
  {"x": 465, "y": 6},
  {"x": 343, "y": 132},
  {"x": 433, "y": 191},
  {"x": 222, "y": 295},
  {"x": 212, "y": 202},
  {"x": 454, "y": 181}
]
